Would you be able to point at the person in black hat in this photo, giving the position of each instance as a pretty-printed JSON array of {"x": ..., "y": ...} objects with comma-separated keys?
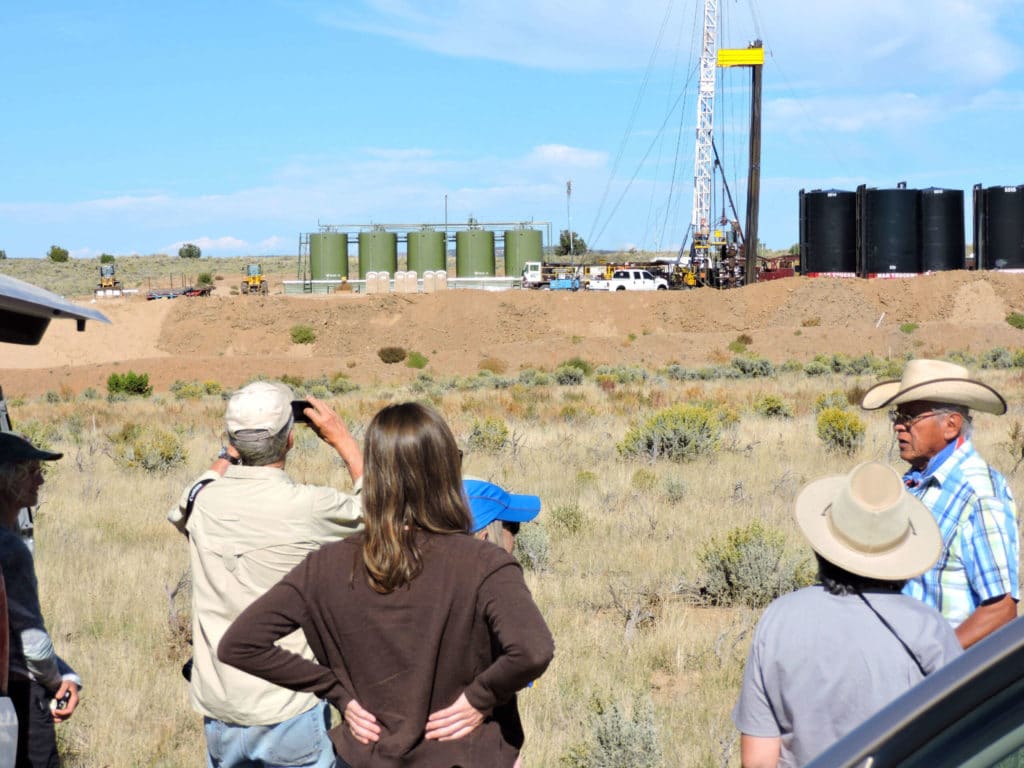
[{"x": 43, "y": 688}]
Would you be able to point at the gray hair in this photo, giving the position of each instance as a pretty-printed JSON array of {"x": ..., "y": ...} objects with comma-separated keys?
[
  {"x": 261, "y": 450},
  {"x": 12, "y": 474},
  {"x": 967, "y": 426}
]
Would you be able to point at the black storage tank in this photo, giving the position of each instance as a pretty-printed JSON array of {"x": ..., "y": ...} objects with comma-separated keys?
[
  {"x": 828, "y": 232},
  {"x": 889, "y": 242},
  {"x": 999, "y": 227},
  {"x": 942, "y": 229}
]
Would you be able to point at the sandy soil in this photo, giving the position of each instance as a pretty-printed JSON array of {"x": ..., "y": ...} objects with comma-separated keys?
[{"x": 229, "y": 339}]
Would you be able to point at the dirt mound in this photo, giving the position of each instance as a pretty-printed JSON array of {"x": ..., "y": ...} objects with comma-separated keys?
[{"x": 229, "y": 339}]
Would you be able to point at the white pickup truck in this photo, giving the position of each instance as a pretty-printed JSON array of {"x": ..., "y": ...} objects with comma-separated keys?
[{"x": 630, "y": 280}]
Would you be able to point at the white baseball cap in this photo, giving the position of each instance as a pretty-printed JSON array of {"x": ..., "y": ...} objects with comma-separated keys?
[{"x": 259, "y": 410}]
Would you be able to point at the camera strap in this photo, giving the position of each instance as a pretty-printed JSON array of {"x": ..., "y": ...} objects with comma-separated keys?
[
  {"x": 192, "y": 500},
  {"x": 895, "y": 634}
]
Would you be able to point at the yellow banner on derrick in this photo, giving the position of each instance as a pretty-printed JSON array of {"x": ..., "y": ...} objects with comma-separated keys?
[{"x": 740, "y": 57}]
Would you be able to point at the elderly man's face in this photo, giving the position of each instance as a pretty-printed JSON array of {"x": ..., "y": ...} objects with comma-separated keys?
[{"x": 923, "y": 430}]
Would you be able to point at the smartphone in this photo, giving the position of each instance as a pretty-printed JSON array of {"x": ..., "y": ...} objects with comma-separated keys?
[
  {"x": 298, "y": 411},
  {"x": 56, "y": 705}
]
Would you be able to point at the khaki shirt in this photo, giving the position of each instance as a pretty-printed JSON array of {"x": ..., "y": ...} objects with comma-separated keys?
[{"x": 248, "y": 530}]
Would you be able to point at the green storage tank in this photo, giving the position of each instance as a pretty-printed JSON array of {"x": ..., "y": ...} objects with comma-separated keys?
[
  {"x": 328, "y": 256},
  {"x": 474, "y": 253},
  {"x": 522, "y": 245},
  {"x": 378, "y": 252},
  {"x": 426, "y": 251}
]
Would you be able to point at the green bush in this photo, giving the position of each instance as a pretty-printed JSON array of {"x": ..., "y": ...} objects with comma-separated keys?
[
  {"x": 677, "y": 433},
  {"x": 1016, "y": 319},
  {"x": 580, "y": 363},
  {"x": 129, "y": 383},
  {"x": 416, "y": 360},
  {"x": 568, "y": 375},
  {"x": 617, "y": 740},
  {"x": 189, "y": 251},
  {"x": 58, "y": 254},
  {"x": 339, "y": 384},
  {"x": 753, "y": 367},
  {"x": 772, "y": 406},
  {"x": 568, "y": 518},
  {"x": 840, "y": 430},
  {"x": 908, "y": 327},
  {"x": 834, "y": 399},
  {"x": 205, "y": 278},
  {"x": 748, "y": 566},
  {"x": 644, "y": 480},
  {"x": 149, "y": 447},
  {"x": 391, "y": 355},
  {"x": 106, "y": 258},
  {"x": 532, "y": 547},
  {"x": 187, "y": 390},
  {"x": 817, "y": 368},
  {"x": 999, "y": 357},
  {"x": 488, "y": 435},
  {"x": 303, "y": 334}
]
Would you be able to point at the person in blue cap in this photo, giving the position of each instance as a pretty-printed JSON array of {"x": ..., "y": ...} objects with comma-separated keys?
[{"x": 497, "y": 514}]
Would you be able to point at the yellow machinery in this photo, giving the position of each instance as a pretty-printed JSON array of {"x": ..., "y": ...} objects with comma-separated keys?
[
  {"x": 108, "y": 285},
  {"x": 255, "y": 281}
]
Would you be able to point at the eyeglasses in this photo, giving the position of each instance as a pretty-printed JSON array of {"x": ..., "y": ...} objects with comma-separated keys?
[{"x": 908, "y": 420}]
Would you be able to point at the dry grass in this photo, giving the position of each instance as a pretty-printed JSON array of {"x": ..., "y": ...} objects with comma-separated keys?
[{"x": 107, "y": 558}]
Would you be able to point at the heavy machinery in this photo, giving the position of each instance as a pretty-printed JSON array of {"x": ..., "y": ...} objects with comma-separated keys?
[
  {"x": 255, "y": 281},
  {"x": 108, "y": 285}
]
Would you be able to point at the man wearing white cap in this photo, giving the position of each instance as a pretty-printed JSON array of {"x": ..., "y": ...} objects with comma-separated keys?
[
  {"x": 825, "y": 658},
  {"x": 974, "y": 582},
  {"x": 248, "y": 524}
]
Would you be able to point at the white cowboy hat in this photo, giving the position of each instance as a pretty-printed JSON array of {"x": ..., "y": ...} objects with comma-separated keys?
[
  {"x": 935, "y": 381},
  {"x": 868, "y": 524}
]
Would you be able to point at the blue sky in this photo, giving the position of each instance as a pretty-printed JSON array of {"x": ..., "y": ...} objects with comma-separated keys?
[{"x": 132, "y": 127}]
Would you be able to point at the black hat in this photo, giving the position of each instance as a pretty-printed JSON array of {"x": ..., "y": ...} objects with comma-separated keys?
[{"x": 15, "y": 448}]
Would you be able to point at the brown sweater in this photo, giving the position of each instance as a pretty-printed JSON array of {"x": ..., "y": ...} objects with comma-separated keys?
[{"x": 467, "y": 624}]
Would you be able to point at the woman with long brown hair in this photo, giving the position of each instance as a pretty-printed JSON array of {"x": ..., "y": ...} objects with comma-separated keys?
[{"x": 422, "y": 634}]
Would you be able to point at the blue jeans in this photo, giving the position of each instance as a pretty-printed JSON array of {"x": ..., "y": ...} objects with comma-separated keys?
[{"x": 300, "y": 741}]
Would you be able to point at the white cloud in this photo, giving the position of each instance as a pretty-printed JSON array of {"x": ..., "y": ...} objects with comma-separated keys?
[{"x": 566, "y": 157}]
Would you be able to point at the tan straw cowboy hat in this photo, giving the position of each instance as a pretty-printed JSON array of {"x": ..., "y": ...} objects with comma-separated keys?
[
  {"x": 868, "y": 524},
  {"x": 935, "y": 381}
]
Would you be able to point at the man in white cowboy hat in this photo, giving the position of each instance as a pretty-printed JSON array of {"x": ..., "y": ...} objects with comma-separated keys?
[
  {"x": 974, "y": 582},
  {"x": 825, "y": 658}
]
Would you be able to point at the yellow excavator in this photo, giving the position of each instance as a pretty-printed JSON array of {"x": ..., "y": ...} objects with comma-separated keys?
[
  {"x": 108, "y": 285},
  {"x": 255, "y": 281}
]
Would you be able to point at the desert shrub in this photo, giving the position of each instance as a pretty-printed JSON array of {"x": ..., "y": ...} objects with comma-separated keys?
[
  {"x": 748, "y": 566},
  {"x": 1018, "y": 358},
  {"x": 533, "y": 378},
  {"x": 736, "y": 348},
  {"x": 205, "y": 278},
  {"x": 129, "y": 383},
  {"x": 493, "y": 364},
  {"x": 998, "y": 357},
  {"x": 753, "y": 367},
  {"x": 391, "y": 355},
  {"x": 568, "y": 375},
  {"x": 888, "y": 369},
  {"x": 187, "y": 390},
  {"x": 677, "y": 433},
  {"x": 106, "y": 258},
  {"x": 57, "y": 254},
  {"x": 962, "y": 357},
  {"x": 339, "y": 384},
  {"x": 579, "y": 363},
  {"x": 212, "y": 387},
  {"x": 1016, "y": 319},
  {"x": 840, "y": 430},
  {"x": 675, "y": 490},
  {"x": 791, "y": 366},
  {"x": 811, "y": 322},
  {"x": 295, "y": 382},
  {"x": 772, "y": 406},
  {"x": 416, "y": 360},
  {"x": 488, "y": 435},
  {"x": 621, "y": 374},
  {"x": 908, "y": 327},
  {"x": 532, "y": 547},
  {"x": 302, "y": 334},
  {"x": 644, "y": 480},
  {"x": 618, "y": 740},
  {"x": 834, "y": 399},
  {"x": 90, "y": 393},
  {"x": 148, "y": 447},
  {"x": 817, "y": 368},
  {"x": 52, "y": 397},
  {"x": 681, "y": 373},
  {"x": 567, "y": 518}
]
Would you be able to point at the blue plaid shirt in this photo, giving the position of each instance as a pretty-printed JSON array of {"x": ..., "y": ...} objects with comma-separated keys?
[{"x": 978, "y": 521}]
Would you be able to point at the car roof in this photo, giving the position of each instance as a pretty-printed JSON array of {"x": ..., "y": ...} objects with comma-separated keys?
[
  {"x": 26, "y": 311},
  {"x": 940, "y": 700}
]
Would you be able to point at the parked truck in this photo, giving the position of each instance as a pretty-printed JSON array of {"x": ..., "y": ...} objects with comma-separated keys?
[
  {"x": 630, "y": 280},
  {"x": 555, "y": 277}
]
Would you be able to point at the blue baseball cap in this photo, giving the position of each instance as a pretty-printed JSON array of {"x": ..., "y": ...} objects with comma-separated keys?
[{"x": 489, "y": 502}]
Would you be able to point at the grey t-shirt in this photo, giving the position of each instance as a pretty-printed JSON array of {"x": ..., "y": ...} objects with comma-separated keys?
[{"x": 821, "y": 664}]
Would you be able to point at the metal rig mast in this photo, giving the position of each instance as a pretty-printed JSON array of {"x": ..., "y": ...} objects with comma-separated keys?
[{"x": 703, "y": 164}]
